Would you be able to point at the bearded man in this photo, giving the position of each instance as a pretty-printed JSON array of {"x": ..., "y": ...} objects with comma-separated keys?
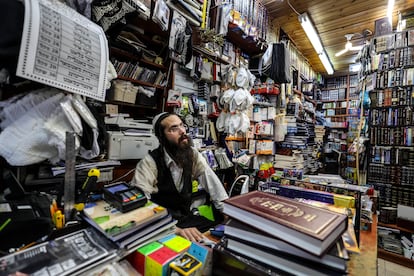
[{"x": 167, "y": 173}]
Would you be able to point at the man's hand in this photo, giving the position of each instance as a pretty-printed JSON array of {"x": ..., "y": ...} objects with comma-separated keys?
[{"x": 191, "y": 234}]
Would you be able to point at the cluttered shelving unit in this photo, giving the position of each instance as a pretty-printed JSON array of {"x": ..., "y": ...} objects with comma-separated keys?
[
  {"x": 388, "y": 236},
  {"x": 387, "y": 70},
  {"x": 140, "y": 57},
  {"x": 340, "y": 104},
  {"x": 390, "y": 119}
]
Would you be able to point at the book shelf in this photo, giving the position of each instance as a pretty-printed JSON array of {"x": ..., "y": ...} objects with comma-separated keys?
[
  {"x": 387, "y": 73},
  {"x": 391, "y": 121},
  {"x": 339, "y": 101},
  {"x": 393, "y": 257}
]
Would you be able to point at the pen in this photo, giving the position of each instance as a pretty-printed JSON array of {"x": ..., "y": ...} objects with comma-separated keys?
[{"x": 5, "y": 224}]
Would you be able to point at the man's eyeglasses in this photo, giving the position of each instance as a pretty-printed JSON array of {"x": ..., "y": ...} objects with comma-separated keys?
[{"x": 176, "y": 128}]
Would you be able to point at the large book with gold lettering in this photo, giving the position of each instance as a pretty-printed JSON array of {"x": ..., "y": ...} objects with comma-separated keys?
[{"x": 310, "y": 228}]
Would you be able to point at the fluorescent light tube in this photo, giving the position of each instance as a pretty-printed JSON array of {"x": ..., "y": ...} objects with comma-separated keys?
[
  {"x": 326, "y": 63},
  {"x": 311, "y": 32},
  {"x": 316, "y": 42}
]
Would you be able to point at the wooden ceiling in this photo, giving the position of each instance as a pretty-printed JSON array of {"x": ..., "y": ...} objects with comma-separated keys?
[{"x": 332, "y": 20}]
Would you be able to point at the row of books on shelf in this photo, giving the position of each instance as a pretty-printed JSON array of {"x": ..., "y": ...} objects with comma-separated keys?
[
  {"x": 391, "y": 155},
  {"x": 394, "y": 77},
  {"x": 393, "y": 59},
  {"x": 394, "y": 41},
  {"x": 392, "y": 97},
  {"x": 334, "y": 94},
  {"x": 392, "y": 116},
  {"x": 395, "y": 241},
  {"x": 338, "y": 82},
  {"x": 334, "y": 105},
  {"x": 336, "y": 124},
  {"x": 353, "y": 81},
  {"x": 353, "y": 93},
  {"x": 392, "y": 196},
  {"x": 335, "y": 112},
  {"x": 392, "y": 136},
  {"x": 133, "y": 70},
  {"x": 282, "y": 235},
  {"x": 397, "y": 175}
]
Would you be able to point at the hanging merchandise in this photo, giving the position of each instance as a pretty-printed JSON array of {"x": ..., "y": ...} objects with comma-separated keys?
[
  {"x": 280, "y": 69},
  {"x": 228, "y": 73},
  {"x": 223, "y": 18},
  {"x": 174, "y": 98},
  {"x": 238, "y": 122},
  {"x": 222, "y": 159},
  {"x": 161, "y": 14},
  {"x": 222, "y": 123},
  {"x": 180, "y": 42},
  {"x": 210, "y": 158},
  {"x": 225, "y": 98},
  {"x": 242, "y": 159},
  {"x": 206, "y": 70},
  {"x": 280, "y": 128},
  {"x": 242, "y": 78},
  {"x": 110, "y": 12},
  {"x": 39, "y": 133}
]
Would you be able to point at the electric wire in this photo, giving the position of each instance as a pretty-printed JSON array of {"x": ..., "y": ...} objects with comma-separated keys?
[
  {"x": 122, "y": 176},
  {"x": 290, "y": 5}
]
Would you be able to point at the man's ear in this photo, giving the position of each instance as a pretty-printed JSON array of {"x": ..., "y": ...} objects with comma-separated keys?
[{"x": 161, "y": 135}]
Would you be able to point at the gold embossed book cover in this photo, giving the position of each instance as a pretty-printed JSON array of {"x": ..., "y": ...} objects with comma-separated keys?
[{"x": 310, "y": 228}]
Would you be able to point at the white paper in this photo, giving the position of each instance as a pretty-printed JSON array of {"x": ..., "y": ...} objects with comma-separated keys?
[{"x": 63, "y": 49}]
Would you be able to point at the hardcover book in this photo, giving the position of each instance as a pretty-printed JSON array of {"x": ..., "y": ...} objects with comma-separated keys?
[
  {"x": 281, "y": 262},
  {"x": 308, "y": 227},
  {"x": 146, "y": 232},
  {"x": 335, "y": 258},
  {"x": 117, "y": 225},
  {"x": 227, "y": 262}
]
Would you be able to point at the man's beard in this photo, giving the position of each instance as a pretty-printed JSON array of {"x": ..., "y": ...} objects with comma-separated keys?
[{"x": 182, "y": 153}]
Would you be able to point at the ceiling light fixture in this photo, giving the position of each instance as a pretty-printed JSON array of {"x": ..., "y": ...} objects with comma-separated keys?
[
  {"x": 316, "y": 42},
  {"x": 348, "y": 46}
]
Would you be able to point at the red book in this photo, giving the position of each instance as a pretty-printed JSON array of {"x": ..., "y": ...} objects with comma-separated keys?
[{"x": 310, "y": 228}]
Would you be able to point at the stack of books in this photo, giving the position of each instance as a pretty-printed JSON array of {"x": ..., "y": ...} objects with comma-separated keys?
[
  {"x": 130, "y": 229},
  {"x": 283, "y": 235},
  {"x": 70, "y": 254}
]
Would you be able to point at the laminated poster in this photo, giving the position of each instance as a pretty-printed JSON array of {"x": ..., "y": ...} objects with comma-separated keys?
[{"x": 63, "y": 49}]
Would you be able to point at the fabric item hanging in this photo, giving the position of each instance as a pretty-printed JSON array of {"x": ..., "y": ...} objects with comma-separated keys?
[
  {"x": 180, "y": 42},
  {"x": 35, "y": 126},
  {"x": 280, "y": 69}
]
